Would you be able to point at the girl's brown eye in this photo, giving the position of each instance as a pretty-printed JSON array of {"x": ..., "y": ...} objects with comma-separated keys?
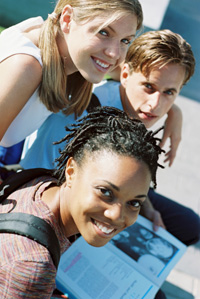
[
  {"x": 105, "y": 192},
  {"x": 135, "y": 203}
]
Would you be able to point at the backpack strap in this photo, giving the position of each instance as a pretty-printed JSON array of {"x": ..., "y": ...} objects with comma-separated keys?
[
  {"x": 18, "y": 179},
  {"x": 33, "y": 228},
  {"x": 24, "y": 224}
]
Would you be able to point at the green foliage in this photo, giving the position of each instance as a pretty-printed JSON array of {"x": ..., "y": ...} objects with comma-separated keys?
[{"x": 1, "y": 29}]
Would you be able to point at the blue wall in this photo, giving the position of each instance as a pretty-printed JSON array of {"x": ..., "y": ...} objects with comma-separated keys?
[
  {"x": 183, "y": 17},
  {"x": 14, "y": 11}
]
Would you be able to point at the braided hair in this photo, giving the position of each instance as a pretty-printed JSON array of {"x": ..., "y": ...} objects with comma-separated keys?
[{"x": 111, "y": 129}]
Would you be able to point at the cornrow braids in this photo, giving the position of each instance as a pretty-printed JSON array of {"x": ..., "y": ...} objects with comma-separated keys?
[{"x": 111, "y": 129}]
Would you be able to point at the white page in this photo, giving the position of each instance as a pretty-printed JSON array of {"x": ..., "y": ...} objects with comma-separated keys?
[
  {"x": 117, "y": 268},
  {"x": 88, "y": 272}
]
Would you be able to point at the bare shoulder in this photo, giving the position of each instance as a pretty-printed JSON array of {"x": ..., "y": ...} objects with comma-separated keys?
[
  {"x": 20, "y": 76},
  {"x": 22, "y": 66}
]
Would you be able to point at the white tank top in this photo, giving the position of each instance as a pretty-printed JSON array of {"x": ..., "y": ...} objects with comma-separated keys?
[{"x": 34, "y": 113}]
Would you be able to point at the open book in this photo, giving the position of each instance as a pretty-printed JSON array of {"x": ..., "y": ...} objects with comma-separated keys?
[{"x": 134, "y": 264}]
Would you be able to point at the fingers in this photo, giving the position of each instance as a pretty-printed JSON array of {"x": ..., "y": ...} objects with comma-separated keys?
[
  {"x": 170, "y": 156},
  {"x": 157, "y": 221}
]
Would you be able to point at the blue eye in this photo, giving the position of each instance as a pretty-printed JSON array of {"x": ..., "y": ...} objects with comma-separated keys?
[
  {"x": 169, "y": 92},
  {"x": 149, "y": 86},
  {"x": 103, "y": 32},
  {"x": 126, "y": 41}
]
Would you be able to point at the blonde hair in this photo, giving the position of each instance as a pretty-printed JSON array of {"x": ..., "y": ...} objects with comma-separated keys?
[
  {"x": 72, "y": 93},
  {"x": 158, "y": 48}
]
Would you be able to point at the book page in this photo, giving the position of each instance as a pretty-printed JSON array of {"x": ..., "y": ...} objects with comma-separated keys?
[
  {"x": 89, "y": 272},
  {"x": 134, "y": 264},
  {"x": 154, "y": 254}
]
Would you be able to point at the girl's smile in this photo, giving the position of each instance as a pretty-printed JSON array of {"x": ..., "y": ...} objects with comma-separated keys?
[
  {"x": 103, "y": 229},
  {"x": 103, "y": 196},
  {"x": 93, "y": 51}
]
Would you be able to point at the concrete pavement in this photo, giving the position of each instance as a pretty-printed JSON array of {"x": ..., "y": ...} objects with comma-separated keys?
[{"x": 181, "y": 183}]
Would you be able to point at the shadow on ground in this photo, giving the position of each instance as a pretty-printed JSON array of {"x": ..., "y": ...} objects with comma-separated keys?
[{"x": 174, "y": 292}]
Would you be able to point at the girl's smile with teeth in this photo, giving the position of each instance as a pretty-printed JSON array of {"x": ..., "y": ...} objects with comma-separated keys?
[
  {"x": 104, "y": 65},
  {"x": 109, "y": 193},
  {"x": 101, "y": 65},
  {"x": 101, "y": 47},
  {"x": 103, "y": 227}
]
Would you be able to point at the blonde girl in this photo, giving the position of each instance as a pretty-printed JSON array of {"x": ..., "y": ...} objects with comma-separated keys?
[{"x": 50, "y": 66}]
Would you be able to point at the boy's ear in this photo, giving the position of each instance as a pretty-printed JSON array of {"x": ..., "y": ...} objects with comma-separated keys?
[
  {"x": 70, "y": 171},
  {"x": 66, "y": 17},
  {"x": 125, "y": 72}
]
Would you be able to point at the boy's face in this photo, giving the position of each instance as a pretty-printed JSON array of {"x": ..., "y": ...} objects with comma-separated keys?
[{"x": 150, "y": 98}]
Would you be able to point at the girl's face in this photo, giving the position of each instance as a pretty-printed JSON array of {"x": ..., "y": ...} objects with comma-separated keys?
[
  {"x": 103, "y": 196},
  {"x": 95, "y": 52}
]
